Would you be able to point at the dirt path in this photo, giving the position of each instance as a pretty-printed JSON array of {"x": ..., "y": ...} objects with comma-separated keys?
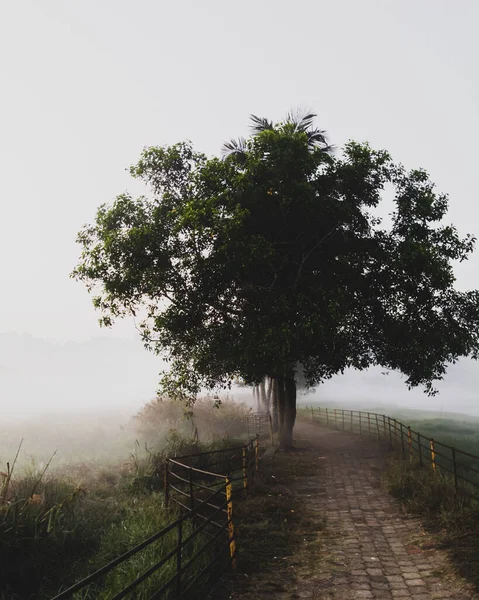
[{"x": 369, "y": 548}]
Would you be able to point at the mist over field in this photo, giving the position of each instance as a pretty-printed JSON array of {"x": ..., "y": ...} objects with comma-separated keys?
[
  {"x": 39, "y": 376},
  {"x": 78, "y": 398},
  {"x": 457, "y": 392},
  {"x": 75, "y": 398},
  {"x": 116, "y": 377}
]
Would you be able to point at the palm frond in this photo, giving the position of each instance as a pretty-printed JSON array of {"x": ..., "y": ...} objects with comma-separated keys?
[
  {"x": 302, "y": 121},
  {"x": 260, "y": 124},
  {"x": 318, "y": 137},
  {"x": 235, "y": 146}
]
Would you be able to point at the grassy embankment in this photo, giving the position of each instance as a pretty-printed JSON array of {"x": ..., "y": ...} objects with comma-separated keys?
[{"x": 59, "y": 525}]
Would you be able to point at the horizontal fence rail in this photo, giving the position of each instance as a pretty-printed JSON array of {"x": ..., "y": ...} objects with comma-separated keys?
[
  {"x": 195, "y": 548},
  {"x": 461, "y": 466},
  {"x": 260, "y": 424}
]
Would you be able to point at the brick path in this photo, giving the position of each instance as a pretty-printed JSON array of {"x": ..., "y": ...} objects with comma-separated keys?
[{"x": 372, "y": 549}]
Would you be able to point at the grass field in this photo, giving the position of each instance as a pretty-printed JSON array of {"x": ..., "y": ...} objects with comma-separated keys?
[
  {"x": 454, "y": 429},
  {"x": 58, "y": 523}
]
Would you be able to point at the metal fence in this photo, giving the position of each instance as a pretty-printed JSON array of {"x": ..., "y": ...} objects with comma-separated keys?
[
  {"x": 461, "y": 466},
  {"x": 196, "y": 547},
  {"x": 260, "y": 424}
]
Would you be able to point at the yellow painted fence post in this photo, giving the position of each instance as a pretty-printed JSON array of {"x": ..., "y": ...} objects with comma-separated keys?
[
  {"x": 433, "y": 455},
  {"x": 231, "y": 529}
]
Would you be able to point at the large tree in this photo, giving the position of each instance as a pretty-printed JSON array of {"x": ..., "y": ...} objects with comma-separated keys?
[{"x": 270, "y": 256}]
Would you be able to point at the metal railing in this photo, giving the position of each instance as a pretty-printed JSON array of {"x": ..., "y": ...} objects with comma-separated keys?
[
  {"x": 461, "y": 466},
  {"x": 260, "y": 424},
  {"x": 198, "y": 545}
]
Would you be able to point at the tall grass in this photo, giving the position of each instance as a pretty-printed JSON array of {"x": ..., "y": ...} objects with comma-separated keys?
[
  {"x": 59, "y": 526},
  {"x": 452, "y": 516},
  {"x": 147, "y": 519},
  {"x": 47, "y": 526}
]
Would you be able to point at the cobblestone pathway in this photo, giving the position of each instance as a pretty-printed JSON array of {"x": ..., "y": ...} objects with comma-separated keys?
[{"x": 372, "y": 549}]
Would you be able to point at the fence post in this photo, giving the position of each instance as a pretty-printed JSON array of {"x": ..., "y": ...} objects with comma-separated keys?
[
  {"x": 402, "y": 440},
  {"x": 192, "y": 497},
  {"x": 409, "y": 441},
  {"x": 395, "y": 431},
  {"x": 178, "y": 556},
  {"x": 312, "y": 414},
  {"x": 433, "y": 455},
  {"x": 369, "y": 423},
  {"x": 384, "y": 424},
  {"x": 231, "y": 529},
  {"x": 454, "y": 467},
  {"x": 390, "y": 433},
  {"x": 377, "y": 427},
  {"x": 419, "y": 448},
  {"x": 256, "y": 454},
  {"x": 245, "y": 475},
  {"x": 167, "y": 484}
]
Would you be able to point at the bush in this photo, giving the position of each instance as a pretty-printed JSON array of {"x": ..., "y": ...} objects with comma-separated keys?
[{"x": 207, "y": 420}]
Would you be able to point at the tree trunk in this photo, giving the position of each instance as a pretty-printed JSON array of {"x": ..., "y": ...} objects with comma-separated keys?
[
  {"x": 268, "y": 394},
  {"x": 262, "y": 391},
  {"x": 281, "y": 404},
  {"x": 255, "y": 402},
  {"x": 289, "y": 413},
  {"x": 274, "y": 406}
]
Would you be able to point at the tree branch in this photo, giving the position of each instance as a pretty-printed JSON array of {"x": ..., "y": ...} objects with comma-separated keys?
[{"x": 308, "y": 254}]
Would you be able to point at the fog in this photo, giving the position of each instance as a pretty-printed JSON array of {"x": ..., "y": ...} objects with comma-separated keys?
[
  {"x": 87, "y": 85},
  {"x": 112, "y": 376},
  {"x": 39, "y": 376},
  {"x": 78, "y": 398},
  {"x": 457, "y": 392}
]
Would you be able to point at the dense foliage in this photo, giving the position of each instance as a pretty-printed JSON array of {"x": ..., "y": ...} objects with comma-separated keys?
[{"x": 270, "y": 256}]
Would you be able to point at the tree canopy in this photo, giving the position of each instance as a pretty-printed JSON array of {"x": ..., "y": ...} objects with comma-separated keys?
[{"x": 271, "y": 256}]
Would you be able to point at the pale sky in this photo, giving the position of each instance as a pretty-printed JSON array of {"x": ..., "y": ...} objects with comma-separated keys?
[{"x": 85, "y": 85}]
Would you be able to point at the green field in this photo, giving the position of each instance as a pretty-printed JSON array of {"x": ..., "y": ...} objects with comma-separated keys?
[{"x": 453, "y": 429}]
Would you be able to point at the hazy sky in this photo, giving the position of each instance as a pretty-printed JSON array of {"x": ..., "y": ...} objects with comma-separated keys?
[{"x": 86, "y": 84}]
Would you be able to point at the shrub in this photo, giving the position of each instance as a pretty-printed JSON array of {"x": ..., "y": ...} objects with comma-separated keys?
[{"x": 207, "y": 419}]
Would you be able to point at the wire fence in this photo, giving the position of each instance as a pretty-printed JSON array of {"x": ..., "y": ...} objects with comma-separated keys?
[
  {"x": 196, "y": 548},
  {"x": 461, "y": 466}
]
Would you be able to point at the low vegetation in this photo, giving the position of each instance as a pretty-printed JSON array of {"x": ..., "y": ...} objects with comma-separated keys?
[
  {"x": 453, "y": 518},
  {"x": 58, "y": 526},
  {"x": 276, "y": 532}
]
